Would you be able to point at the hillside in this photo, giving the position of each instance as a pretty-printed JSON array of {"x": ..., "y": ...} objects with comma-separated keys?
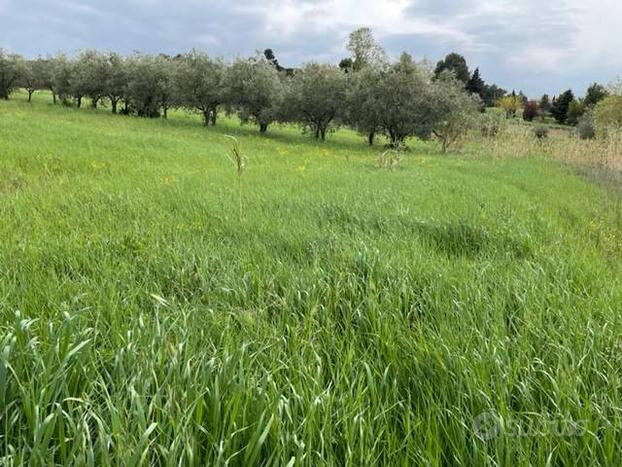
[{"x": 349, "y": 315}]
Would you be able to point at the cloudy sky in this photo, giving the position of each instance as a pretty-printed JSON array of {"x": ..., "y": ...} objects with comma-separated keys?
[{"x": 535, "y": 45}]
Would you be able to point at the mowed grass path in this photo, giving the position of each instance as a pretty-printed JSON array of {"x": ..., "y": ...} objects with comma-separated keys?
[{"x": 351, "y": 316}]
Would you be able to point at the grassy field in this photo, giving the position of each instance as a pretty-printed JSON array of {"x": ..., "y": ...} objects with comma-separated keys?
[{"x": 460, "y": 310}]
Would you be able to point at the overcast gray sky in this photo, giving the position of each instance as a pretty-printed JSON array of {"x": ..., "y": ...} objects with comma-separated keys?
[{"x": 535, "y": 45}]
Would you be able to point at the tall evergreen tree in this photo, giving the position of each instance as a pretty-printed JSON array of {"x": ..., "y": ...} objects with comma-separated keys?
[
  {"x": 492, "y": 94},
  {"x": 594, "y": 94},
  {"x": 476, "y": 84},
  {"x": 456, "y": 64},
  {"x": 560, "y": 106}
]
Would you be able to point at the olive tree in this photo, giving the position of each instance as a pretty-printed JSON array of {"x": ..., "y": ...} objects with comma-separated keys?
[
  {"x": 453, "y": 111},
  {"x": 88, "y": 76},
  {"x": 34, "y": 76},
  {"x": 115, "y": 79},
  {"x": 199, "y": 84},
  {"x": 398, "y": 99},
  {"x": 11, "y": 71},
  {"x": 363, "y": 110},
  {"x": 142, "y": 87},
  {"x": 61, "y": 78},
  {"x": 254, "y": 88},
  {"x": 37, "y": 75},
  {"x": 148, "y": 85},
  {"x": 45, "y": 70},
  {"x": 165, "y": 71},
  {"x": 315, "y": 97},
  {"x": 365, "y": 50}
]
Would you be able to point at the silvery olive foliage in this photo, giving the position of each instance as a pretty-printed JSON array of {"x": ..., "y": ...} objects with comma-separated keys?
[
  {"x": 199, "y": 82},
  {"x": 398, "y": 99},
  {"x": 315, "y": 98},
  {"x": 254, "y": 88},
  {"x": 11, "y": 70}
]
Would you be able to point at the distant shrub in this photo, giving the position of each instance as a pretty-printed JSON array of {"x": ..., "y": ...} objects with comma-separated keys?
[
  {"x": 576, "y": 109},
  {"x": 453, "y": 113},
  {"x": 510, "y": 104},
  {"x": 520, "y": 141},
  {"x": 608, "y": 116},
  {"x": 585, "y": 127},
  {"x": 541, "y": 131},
  {"x": 491, "y": 124},
  {"x": 530, "y": 111}
]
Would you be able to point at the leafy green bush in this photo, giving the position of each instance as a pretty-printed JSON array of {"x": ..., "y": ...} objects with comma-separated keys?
[
  {"x": 576, "y": 109},
  {"x": 585, "y": 126},
  {"x": 492, "y": 123},
  {"x": 608, "y": 116}
]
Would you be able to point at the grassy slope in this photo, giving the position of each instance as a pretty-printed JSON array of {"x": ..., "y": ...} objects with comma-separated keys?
[{"x": 353, "y": 315}]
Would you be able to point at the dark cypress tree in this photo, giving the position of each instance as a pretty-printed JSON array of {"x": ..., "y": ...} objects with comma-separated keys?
[
  {"x": 269, "y": 54},
  {"x": 559, "y": 110},
  {"x": 476, "y": 84}
]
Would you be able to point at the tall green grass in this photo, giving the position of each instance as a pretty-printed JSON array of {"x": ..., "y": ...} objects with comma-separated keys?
[{"x": 351, "y": 316}]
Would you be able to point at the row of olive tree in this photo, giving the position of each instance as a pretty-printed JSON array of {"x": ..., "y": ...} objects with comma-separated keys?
[
  {"x": 402, "y": 100},
  {"x": 399, "y": 100},
  {"x": 149, "y": 86}
]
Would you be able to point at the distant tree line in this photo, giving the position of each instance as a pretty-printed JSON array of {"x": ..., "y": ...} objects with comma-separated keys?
[
  {"x": 366, "y": 91},
  {"x": 564, "y": 109},
  {"x": 473, "y": 83}
]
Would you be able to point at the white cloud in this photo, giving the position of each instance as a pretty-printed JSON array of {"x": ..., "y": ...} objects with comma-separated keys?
[{"x": 531, "y": 44}]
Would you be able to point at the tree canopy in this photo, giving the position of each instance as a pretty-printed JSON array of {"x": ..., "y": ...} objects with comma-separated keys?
[
  {"x": 559, "y": 110},
  {"x": 456, "y": 64},
  {"x": 365, "y": 50}
]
